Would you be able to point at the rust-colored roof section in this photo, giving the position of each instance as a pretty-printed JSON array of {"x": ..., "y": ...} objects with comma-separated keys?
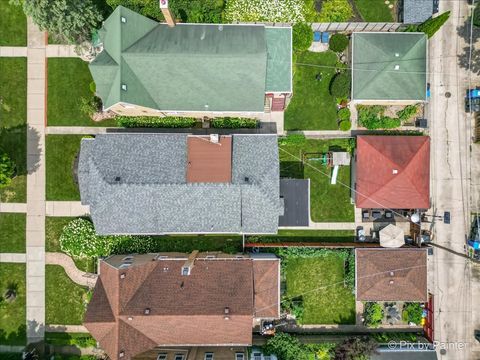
[
  {"x": 266, "y": 287},
  {"x": 183, "y": 310},
  {"x": 393, "y": 172},
  {"x": 391, "y": 274},
  {"x": 209, "y": 162}
]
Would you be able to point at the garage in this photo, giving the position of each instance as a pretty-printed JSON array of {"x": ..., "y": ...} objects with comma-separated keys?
[{"x": 296, "y": 197}]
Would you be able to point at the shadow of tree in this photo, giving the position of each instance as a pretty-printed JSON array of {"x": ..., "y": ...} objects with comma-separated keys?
[
  {"x": 463, "y": 58},
  {"x": 16, "y": 337},
  {"x": 13, "y": 140}
]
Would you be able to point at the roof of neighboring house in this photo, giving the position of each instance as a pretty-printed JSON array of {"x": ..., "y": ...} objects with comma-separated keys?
[
  {"x": 190, "y": 67},
  {"x": 137, "y": 184},
  {"x": 389, "y": 66},
  {"x": 417, "y": 11},
  {"x": 393, "y": 172},
  {"x": 183, "y": 310},
  {"x": 391, "y": 274}
]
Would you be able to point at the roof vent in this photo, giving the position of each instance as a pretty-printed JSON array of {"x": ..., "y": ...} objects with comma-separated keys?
[
  {"x": 146, "y": 311},
  {"x": 165, "y": 269},
  {"x": 185, "y": 271},
  {"x": 121, "y": 354},
  {"x": 226, "y": 312},
  {"x": 118, "y": 178},
  {"x": 214, "y": 138},
  {"x": 123, "y": 19},
  {"x": 130, "y": 318},
  {"x": 247, "y": 179},
  {"x": 220, "y": 27},
  {"x": 397, "y": 67},
  {"x": 391, "y": 282},
  {"x": 123, "y": 275},
  {"x": 394, "y": 171},
  {"x": 124, "y": 87},
  {"x": 397, "y": 54},
  {"x": 391, "y": 273}
]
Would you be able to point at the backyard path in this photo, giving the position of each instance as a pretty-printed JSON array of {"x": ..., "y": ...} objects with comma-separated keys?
[
  {"x": 78, "y": 276},
  {"x": 36, "y": 98}
]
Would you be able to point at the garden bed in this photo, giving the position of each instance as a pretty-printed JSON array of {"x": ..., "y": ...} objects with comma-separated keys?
[
  {"x": 61, "y": 151},
  {"x": 328, "y": 203},
  {"x": 65, "y": 300},
  {"x": 320, "y": 279},
  {"x": 12, "y": 314},
  {"x": 374, "y": 117},
  {"x": 13, "y": 125},
  {"x": 13, "y": 25},
  {"x": 312, "y": 107},
  {"x": 12, "y": 228},
  {"x": 305, "y": 236}
]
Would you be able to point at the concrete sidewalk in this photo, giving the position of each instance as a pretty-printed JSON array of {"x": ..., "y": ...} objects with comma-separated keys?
[
  {"x": 36, "y": 109},
  {"x": 66, "y": 208},
  {"x": 75, "y": 130},
  {"x": 322, "y": 226},
  {"x": 13, "y": 51},
  {"x": 12, "y": 258},
  {"x": 61, "y": 51},
  {"x": 13, "y": 208}
]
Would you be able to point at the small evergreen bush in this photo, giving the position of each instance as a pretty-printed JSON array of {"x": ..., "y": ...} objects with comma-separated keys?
[
  {"x": 7, "y": 169},
  {"x": 302, "y": 34},
  {"x": 338, "y": 42},
  {"x": 340, "y": 85},
  {"x": 344, "y": 114},
  {"x": 345, "y": 125},
  {"x": 431, "y": 26}
]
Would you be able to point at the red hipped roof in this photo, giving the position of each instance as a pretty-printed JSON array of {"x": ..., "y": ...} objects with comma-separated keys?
[{"x": 393, "y": 172}]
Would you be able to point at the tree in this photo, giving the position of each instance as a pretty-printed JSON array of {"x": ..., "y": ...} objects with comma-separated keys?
[
  {"x": 7, "y": 169},
  {"x": 356, "y": 349},
  {"x": 338, "y": 42},
  {"x": 373, "y": 314},
  {"x": 340, "y": 85},
  {"x": 73, "y": 20},
  {"x": 302, "y": 36},
  {"x": 285, "y": 347},
  {"x": 431, "y": 26},
  {"x": 476, "y": 15},
  {"x": 335, "y": 11}
]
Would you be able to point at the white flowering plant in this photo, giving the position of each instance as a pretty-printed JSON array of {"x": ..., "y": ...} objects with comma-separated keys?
[
  {"x": 287, "y": 11},
  {"x": 79, "y": 240}
]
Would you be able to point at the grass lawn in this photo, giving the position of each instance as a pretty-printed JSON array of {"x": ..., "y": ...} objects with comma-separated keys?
[
  {"x": 13, "y": 25},
  {"x": 68, "y": 82},
  {"x": 375, "y": 10},
  {"x": 12, "y": 315},
  {"x": 13, "y": 119},
  {"x": 307, "y": 236},
  {"x": 324, "y": 303},
  {"x": 328, "y": 203},
  {"x": 12, "y": 233},
  {"x": 64, "y": 299},
  {"x": 61, "y": 152},
  {"x": 53, "y": 230},
  {"x": 312, "y": 107}
]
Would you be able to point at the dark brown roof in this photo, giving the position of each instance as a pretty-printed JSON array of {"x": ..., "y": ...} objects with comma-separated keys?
[
  {"x": 209, "y": 162},
  {"x": 393, "y": 172},
  {"x": 184, "y": 310},
  {"x": 391, "y": 274},
  {"x": 266, "y": 287}
]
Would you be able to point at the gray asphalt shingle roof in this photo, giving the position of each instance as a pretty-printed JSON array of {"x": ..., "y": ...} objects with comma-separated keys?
[
  {"x": 136, "y": 184},
  {"x": 417, "y": 11}
]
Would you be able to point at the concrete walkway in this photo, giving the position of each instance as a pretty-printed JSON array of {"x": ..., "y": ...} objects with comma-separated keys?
[
  {"x": 322, "y": 134},
  {"x": 66, "y": 208},
  {"x": 66, "y": 328},
  {"x": 322, "y": 226},
  {"x": 61, "y": 51},
  {"x": 36, "y": 98},
  {"x": 77, "y": 276},
  {"x": 75, "y": 130},
  {"x": 13, "y": 208},
  {"x": 12, "y": 258},
  {"x": 13, "y": 51}
]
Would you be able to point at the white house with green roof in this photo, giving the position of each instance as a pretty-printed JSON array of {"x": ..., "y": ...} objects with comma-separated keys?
[
  {"x": 389, "y": 67},
  {"x": 147, "y": 68}
]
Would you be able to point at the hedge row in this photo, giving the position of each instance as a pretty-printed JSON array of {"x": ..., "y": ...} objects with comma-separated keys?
[
  {"x": 155, "y": 122},
  {"x": 233, "y": 123}
]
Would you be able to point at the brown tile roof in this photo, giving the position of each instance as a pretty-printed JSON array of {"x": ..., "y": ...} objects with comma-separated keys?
[
  {"x": 209, "y": 162},
  {"x": 266, "y": 287},
  {"x": 184, "y": 310},
  {"x": 391, "y": 274},
  {"x": 393, "y": 172}
]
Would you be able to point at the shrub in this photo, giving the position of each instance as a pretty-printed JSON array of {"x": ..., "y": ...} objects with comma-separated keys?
[
  {"x": 476, "y": 15},
  {"x": 335, "y": 11},
  {"x": 344, "y": 114},
  {"x": 338, "y": 42},
  {"x": 373, "y": 314},
  {"x": 372, "y": 118},
  {"x": 340, "y": 85},
  {"x": 291, "y": 11},
  {"x": 155, "y": 122},
  {"x": 431, "y": 26},
  {"x": 285, "y": 347},
  {"x": 7, "y": 169},
  {"x": 233, "y": 123},
  {"x": 407, "y": 112},
  {"x": 79, "y": 240},
  {"x": 412, "y": 313},
  {"x": 356, "y": 348},
  {"x": 345, "y": 125},
  {"x": 302, "y": 34},
  {"x": 295, "y": 307},
  {"x": 90, "y": 106}
]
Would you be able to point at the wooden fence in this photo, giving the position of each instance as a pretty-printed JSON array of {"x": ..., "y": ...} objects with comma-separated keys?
[{"x": 356, "y": 26}]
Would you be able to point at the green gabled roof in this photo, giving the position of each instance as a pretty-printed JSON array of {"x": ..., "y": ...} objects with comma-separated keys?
[
  {"x": 389, "y": 66},
  {"x": 190, "y": 67},
  {"x": 279, "y": 59}
]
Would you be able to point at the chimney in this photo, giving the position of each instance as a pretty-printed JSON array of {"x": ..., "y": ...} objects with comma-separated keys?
[
  {"x": 167, "y": 14},
  {"x": 188, "y": 265}
]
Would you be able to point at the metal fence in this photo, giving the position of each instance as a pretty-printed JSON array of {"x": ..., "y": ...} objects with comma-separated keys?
[{"x": 356, "y": 26}]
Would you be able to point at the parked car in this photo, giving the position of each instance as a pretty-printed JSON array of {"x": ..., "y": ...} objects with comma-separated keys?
[{"x": 472, "y": 100}]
